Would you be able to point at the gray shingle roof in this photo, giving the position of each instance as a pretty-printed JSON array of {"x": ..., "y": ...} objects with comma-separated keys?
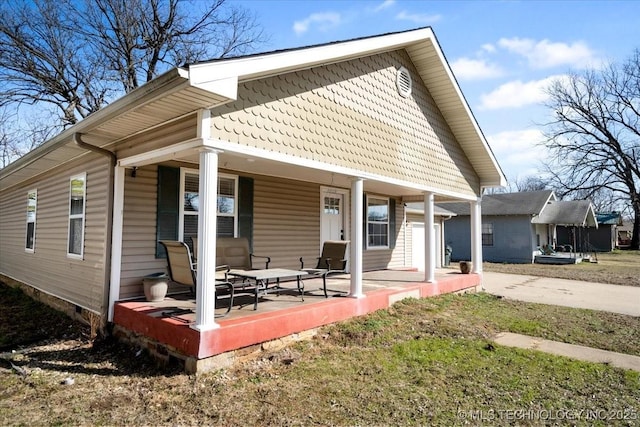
[
  {"x": 573, "y": 212},
  {"x": 522, "y": 203}
]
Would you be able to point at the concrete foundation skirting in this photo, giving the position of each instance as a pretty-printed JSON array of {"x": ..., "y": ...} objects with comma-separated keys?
[{"x": 166, "y": 355}]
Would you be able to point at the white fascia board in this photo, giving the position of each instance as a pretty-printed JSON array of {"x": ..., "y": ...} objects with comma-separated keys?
[
  {"x": 226, "y": 87},
  {"x": 231, "y": 147},
  {"x": 260, "y": 66}
]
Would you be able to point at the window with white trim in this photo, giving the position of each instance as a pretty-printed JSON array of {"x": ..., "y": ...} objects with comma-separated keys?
[
  {"x": 487, "y": 234},
  {"x": 377, "y": 222},
  {"x": 227, "y": 206},
  {"x": 77, "y": 195},
  {"x": 30, "y": 240}
]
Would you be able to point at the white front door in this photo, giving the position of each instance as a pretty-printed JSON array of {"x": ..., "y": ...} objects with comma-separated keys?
[{"x": 332, "y": 214}]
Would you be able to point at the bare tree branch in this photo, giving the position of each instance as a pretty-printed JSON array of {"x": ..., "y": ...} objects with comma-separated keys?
[
  {"x": 79, "y": 55},
  {"x": 595, "y": 137}
]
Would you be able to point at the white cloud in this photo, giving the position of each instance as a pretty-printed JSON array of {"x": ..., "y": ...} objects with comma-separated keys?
[
  {"x": 518, "y": 152},
  {"x": 323, "y": 21},
  {"x": 418, "y": 18},
  {"x": 475, "y": 69},
  {"x": 546, "y": 54},
  {"x": 384, "y": 5},
  {"x": 488, "y": 47},
  {"x": 517, "y": 94}
]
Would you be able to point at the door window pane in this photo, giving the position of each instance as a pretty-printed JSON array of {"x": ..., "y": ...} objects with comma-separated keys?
[{"x": 332, "y": 205}]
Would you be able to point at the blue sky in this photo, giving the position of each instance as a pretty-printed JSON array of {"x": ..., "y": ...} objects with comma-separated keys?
[{"x": 501, "y": 52}]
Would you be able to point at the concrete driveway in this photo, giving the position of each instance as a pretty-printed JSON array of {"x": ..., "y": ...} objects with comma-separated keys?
[{"x": 570, "y": 293}]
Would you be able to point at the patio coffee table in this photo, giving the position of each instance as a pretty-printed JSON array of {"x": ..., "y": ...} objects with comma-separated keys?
[{"x": 261, "y": 279}]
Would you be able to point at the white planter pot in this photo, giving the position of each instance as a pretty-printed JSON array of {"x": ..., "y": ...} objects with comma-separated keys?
[{"x": 155, "y": 288}]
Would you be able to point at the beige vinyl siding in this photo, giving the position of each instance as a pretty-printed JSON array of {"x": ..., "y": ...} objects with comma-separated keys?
[
  {"x": 286, "y": 226},
  {"x": 376, "y": 259},
  {"x": 286, "y": 221},
  {"x": 182, "y": 129},
  {"x": 139, "y": 231},
  {"x": 350, "y": 115},
  {"x": 79, "y": 281}
]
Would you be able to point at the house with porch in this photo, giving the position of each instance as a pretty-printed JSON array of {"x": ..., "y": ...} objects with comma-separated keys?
[
  {"x": 517, "y": 227},
  {"x": 287, "y": 149}
]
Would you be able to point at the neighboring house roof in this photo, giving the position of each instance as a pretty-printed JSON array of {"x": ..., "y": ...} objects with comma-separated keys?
[
  {"x": 418, "y": 208},
  {"x": 181, "y": 91},
  {"x": 521, "y": 203},
  {"x": 609, "y": 218},
  {"x": 571, "y": 212}
]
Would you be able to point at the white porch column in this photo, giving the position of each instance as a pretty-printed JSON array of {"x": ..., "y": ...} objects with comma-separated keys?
[
  {"x": 116, "y": 238},
  {"x": 476, "y": 236},
  {"x": 429, "y": 239},
  {"x": 357, "y": 238},
  {"x": 207, "y": 228}
]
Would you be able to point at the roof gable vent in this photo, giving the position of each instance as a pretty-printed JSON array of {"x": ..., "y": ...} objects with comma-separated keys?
[{"x": 403, "y": 82}]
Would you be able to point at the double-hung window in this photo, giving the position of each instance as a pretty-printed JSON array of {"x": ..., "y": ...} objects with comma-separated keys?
[
  {"x": 227, "y": 206},
  {"x": 487, "y": 234},
  {"x": 30, "y": 241},
  {"x": 77, "y": 193},
  {"x": 377, "y": 222}
]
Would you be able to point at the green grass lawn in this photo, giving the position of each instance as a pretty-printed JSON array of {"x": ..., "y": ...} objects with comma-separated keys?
[{"x": 421, "y": 362}]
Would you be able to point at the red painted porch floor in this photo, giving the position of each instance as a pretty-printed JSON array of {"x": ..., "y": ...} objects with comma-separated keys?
[{"x": 278, "y": 315}]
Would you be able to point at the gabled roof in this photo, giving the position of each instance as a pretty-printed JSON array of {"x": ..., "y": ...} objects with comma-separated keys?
[
  {"x": 572, "y": 212},
  {"x": 205, "y": 85},
  {"x": 522, "y": 203}
]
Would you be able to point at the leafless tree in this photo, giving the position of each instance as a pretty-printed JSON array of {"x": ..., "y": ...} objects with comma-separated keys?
[
  {"x": 530, "y": 183},
  {"x": 595, "y": 135},
  {"x": 18, "y": 137},
  {"x": 78, "y": 55},
  {"x": 526, "y": 183}
]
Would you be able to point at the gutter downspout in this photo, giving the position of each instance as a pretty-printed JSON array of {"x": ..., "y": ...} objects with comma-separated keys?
[{"x": 77, "y": 139}]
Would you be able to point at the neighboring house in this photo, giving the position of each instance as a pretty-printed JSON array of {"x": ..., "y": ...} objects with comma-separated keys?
[
  {"x": 296, "y": 146},
  {"x": 416, "y": 234},
  {"x": 602, "y": 238},
  {"x": 515, "y": 225}
]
